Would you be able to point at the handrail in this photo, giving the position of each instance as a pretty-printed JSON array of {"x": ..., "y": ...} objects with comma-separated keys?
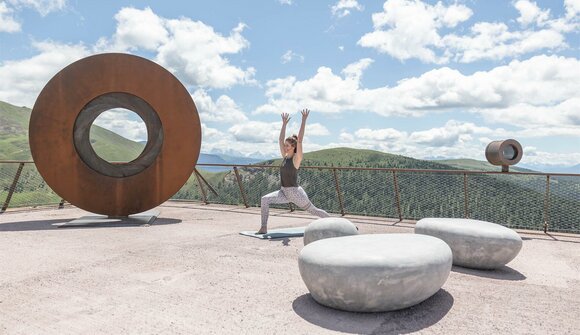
[
  {"x": 16, "y": 161},
  {"x": 398, "y": 170},
  {"x": 458, "y": 171}
]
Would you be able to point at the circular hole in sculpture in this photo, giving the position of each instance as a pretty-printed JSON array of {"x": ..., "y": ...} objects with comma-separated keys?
[
  {"x": 118, "y": 135},
  {"x": 117, "y": 101}
]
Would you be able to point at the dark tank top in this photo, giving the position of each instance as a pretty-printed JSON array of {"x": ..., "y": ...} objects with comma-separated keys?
[{"x": 288, "y": 173}]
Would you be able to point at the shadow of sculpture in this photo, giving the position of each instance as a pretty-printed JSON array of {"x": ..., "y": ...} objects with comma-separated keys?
[
  {"x": 503, "y": 273},
  {"x": 404, "y": 321},
  {"x": 50, "y": 224}
]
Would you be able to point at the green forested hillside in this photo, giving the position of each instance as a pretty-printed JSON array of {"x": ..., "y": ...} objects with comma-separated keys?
[
  {"x": 514, "y": 201},
  {"x": 13, "y": 132}
]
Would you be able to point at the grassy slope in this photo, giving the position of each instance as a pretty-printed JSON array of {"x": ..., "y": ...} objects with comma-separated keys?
[{"x": 14, "y": 132}]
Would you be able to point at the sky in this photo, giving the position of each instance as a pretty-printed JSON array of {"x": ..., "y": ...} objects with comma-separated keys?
[{"x": 425, "y": 79}]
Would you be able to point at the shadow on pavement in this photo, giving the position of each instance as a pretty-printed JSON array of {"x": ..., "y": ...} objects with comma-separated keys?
[
  {"x": 404, "y": 321},
  {"x": 503, "y": 273},
  {"x": 49, "y": 224}
]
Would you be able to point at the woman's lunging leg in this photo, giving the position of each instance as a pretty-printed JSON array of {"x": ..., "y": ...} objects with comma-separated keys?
[
  {"x": 298, "y": 196},
  {"x": 276, "y": 197}
]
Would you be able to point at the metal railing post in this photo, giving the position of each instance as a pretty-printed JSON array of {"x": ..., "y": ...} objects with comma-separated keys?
[
  {"x": 241, "y": 187},
  {"x": 12, "y": 188},
  {"x": 547, "y": 205},
  {"x": 466, "y": 196},
  {"x": 337, "y": 185},
  {"x": 398, "y": 200},
  {"x": 203, "y": 195},
  {"x": 206, "y": 183}
]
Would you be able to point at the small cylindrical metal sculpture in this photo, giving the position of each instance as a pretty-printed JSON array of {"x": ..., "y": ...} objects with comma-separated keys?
[
  {"x": 72, "y": 100},
  {"x": 504, "y": 153}
]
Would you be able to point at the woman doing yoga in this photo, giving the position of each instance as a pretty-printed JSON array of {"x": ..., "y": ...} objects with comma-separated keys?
[{"x": 291, "y": 150}]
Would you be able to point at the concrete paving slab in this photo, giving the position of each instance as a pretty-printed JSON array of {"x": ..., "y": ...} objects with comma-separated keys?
[{"x": 192, "y": 273}]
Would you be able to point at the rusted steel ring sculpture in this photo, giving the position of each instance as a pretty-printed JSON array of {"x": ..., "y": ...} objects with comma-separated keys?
[{"x": 74, "y": 98}]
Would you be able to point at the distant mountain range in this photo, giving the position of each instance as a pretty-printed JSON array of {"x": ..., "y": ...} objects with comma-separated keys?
[
  {"x": 223, "y": 159},
  {"x": 555, "y": 168}
]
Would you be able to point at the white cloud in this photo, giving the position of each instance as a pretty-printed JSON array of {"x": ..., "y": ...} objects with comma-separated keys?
[
  {"x": 316, "y": 129},
  {"x": 211, "y": 134},
  {"x": 192, "y": 50},
  {"x": 139, "y": 29},
  {"x": 325, "y": 92},
  {"x": 355, "y": 70},
  {"x": 450, "y": 135},
  {"x": 531, "y": 13},
  {"x": 256, "y": 132},
  {"x": 346, "y": 137},
  {"x": 495, "y": 41},
  {"x": 409, "y": 29},
  {"x": 341, "y": 47},
  {"x": 386, "y": 134},
  {"x": 543, "y": 158},
  {"x": 562, "y": 119},
  {"x": 343, "y": 7},
  {"x": 572, "y": 9},
  {"x": 548, "y": 85},
  {"x": 224, "y": 109},
  {"x": 312, "y": 129},
  {"x": 285, "y": 2},
  {"x": 269, "y": 132},
  {"x": 8, "y": 23},
  {"x": 290, "y": 55},
  {"x": 195, "y": 53},
  {"x": 22, "y": 80},
  {"x": 123, "y": 122},
  {"x": 44, "y": 7}
]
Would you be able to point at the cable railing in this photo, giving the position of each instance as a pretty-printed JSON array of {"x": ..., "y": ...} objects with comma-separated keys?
[{"x": 548, "y": 202}]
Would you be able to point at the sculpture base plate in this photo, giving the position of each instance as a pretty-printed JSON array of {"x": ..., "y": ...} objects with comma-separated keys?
[{"x": 139, "y": 219}]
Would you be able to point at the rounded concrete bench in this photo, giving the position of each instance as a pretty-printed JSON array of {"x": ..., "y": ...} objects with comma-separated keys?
[
  {"x": 475, "y": 244},
  {"x": 327, "y": 228},
  {"x": 374, "y": 273}
]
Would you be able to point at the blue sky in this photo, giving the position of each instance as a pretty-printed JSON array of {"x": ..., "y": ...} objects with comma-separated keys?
[{"x": 424, "y": 79}]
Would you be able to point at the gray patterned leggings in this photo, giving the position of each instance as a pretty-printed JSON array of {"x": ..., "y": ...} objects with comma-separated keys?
[{"x": 285, "y": 195}]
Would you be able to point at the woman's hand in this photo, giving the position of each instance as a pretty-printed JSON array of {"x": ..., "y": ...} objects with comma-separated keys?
[
  {"x": 305, "y": 112},
  {"x": 285, "y": 118}
]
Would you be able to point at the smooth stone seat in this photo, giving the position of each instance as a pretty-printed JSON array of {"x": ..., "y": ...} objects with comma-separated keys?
[
  {"x": 327, "y": 228},
  {"x": 374, "y": 273},
  {"x": 475, "y": 244}
]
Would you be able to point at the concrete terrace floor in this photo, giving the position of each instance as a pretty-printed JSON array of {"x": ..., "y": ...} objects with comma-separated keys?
[{"x": 192, "y": 273}]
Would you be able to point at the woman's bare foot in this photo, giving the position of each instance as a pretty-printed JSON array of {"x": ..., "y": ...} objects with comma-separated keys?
[{"x": 262, "y": 230}]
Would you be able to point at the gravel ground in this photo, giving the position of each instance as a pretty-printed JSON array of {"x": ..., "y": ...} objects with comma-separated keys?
[{"x": 192, "y": 273}]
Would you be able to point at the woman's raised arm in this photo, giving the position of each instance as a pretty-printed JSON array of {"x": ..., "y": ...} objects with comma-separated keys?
[
  {"x": 285, "y": 119},
  {"x": 299, "y": 154}
]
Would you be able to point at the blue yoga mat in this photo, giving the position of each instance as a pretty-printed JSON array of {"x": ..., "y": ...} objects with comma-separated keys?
[{"x": 276, "y": 233}]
